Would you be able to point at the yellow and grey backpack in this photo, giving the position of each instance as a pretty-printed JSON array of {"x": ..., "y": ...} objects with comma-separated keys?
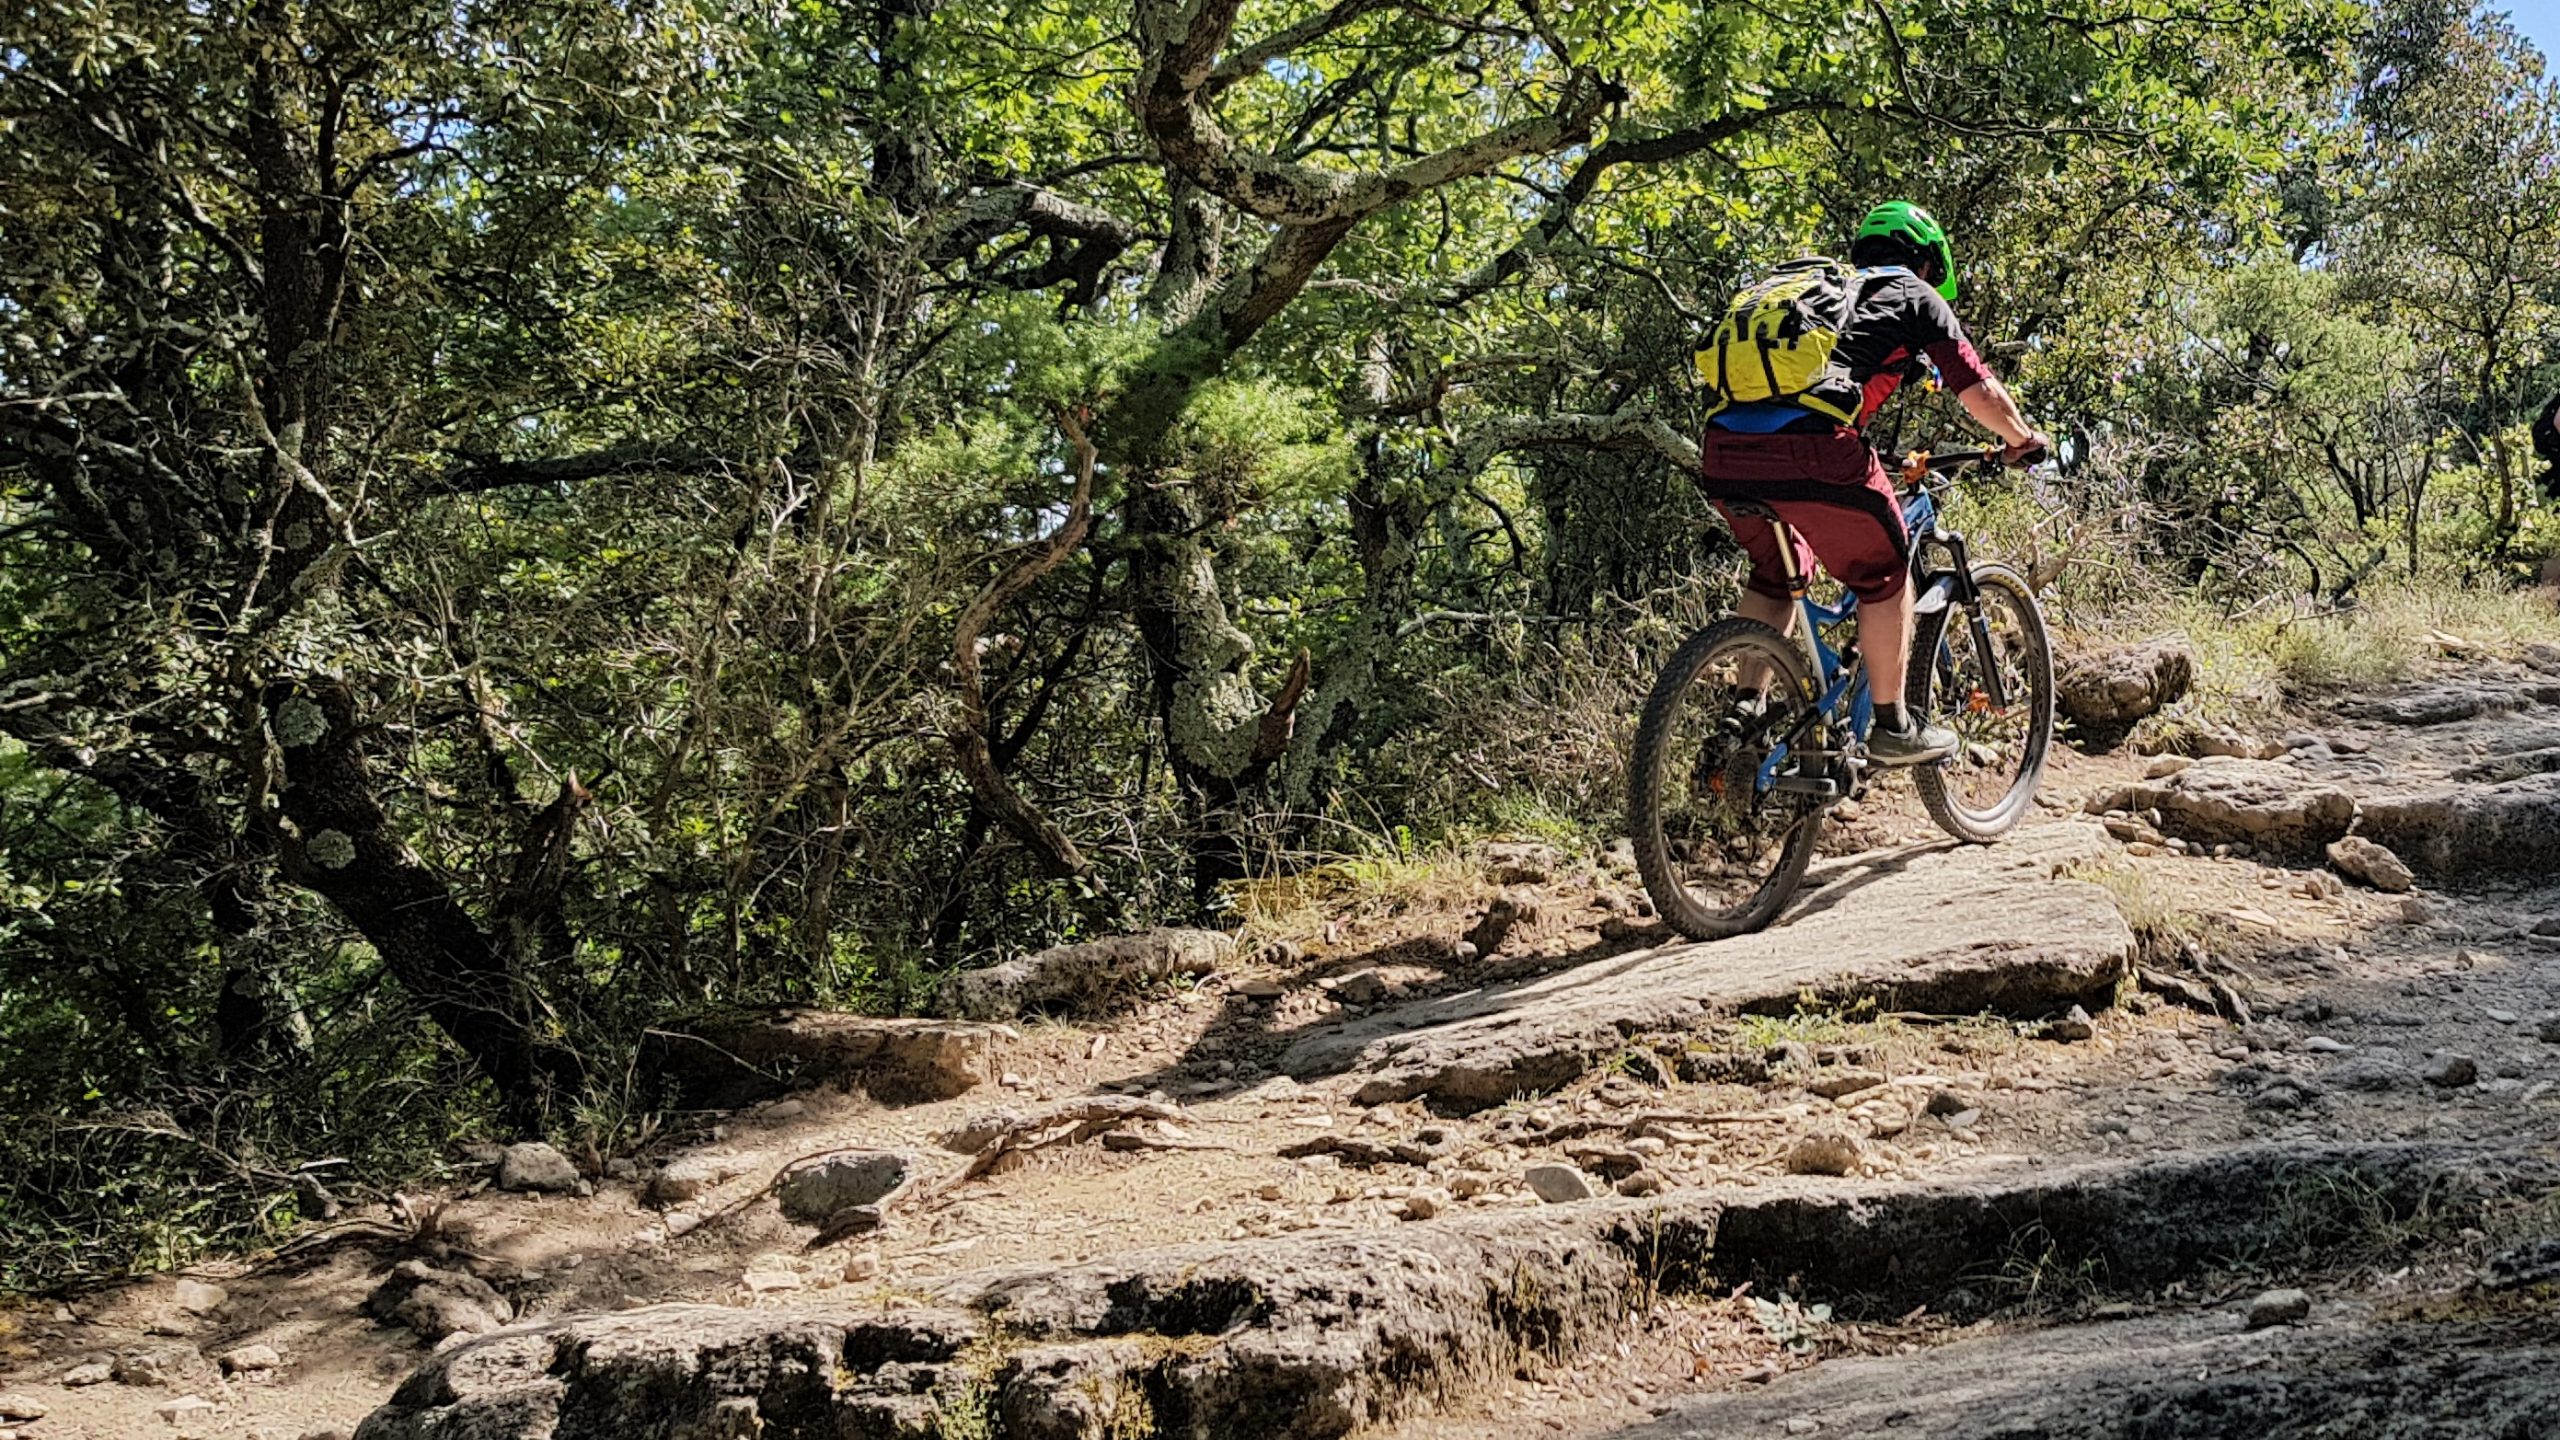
[{"x": 1780, "y": 341}]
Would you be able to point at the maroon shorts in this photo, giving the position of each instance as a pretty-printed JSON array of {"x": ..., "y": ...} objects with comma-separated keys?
[{"x": 1831, "y": 490}]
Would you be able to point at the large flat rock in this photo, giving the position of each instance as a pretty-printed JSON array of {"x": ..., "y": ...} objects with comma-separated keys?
[
  {"x": 2473, "y": 831},
  {"x": 740, "y": 1057},
  {"x": 2266, "y": 803},
  {"x": 1319, "y": 1337},
  {"x": 1952, "y": 929},
  {"x": 2177, "y": 1377}
]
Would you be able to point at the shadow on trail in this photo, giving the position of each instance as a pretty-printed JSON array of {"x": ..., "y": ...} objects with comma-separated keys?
[{"x": 1245, "y": 1033}]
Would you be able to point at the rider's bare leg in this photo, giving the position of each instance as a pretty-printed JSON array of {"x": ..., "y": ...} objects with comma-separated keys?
[
  {"x": 1779, "y": 614},
  {"x": 1884, "y": 630},
  {"x": 1899, "y": 737},
  {"x": 1884, "y": 634}
]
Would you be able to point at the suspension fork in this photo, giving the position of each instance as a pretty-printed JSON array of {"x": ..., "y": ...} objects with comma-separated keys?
[
  {"x": 1962, "y": 591},
  {"x": 1995, "y": 687}
]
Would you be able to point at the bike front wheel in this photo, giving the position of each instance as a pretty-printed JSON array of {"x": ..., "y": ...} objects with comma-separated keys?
[
  {"x": 2003, "y": 726},
  {"x": 1722, "y": 790}
]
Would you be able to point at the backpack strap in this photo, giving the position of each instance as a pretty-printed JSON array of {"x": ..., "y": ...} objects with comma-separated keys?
[{"x": 1852, "y": 286}]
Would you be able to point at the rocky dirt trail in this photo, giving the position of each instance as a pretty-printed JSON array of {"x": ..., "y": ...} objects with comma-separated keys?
[{"x": 1976, "y": 1138}]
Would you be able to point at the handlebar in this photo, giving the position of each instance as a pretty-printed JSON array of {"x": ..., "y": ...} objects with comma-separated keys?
[{"x": 1920, "y": 464}]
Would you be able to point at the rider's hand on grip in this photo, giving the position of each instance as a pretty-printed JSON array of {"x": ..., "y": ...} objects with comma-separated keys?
[{"x": 2019, "y": 457}]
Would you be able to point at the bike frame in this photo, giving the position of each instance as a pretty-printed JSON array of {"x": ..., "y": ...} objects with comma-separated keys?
[{"x": 1846, "y": 694}]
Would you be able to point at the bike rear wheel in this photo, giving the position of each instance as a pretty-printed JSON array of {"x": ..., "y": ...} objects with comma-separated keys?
[
  {"x": 1720, "y": 850},
  {"x": 1987, "y": 786}
]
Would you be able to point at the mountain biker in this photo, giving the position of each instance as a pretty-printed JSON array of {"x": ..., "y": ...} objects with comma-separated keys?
[{"x": 1818, "y": 471}]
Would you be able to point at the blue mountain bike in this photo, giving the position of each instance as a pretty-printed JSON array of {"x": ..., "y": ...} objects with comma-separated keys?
[{"x": 1751, "y": 736}]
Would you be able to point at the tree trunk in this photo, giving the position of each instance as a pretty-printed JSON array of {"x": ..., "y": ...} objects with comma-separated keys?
[{"x": 335, "y": 840}]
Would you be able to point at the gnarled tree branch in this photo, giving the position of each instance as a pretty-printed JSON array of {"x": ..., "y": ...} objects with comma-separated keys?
[
  {"x": 995, "y": 792},
  {"x": 1626, "y": 430}
]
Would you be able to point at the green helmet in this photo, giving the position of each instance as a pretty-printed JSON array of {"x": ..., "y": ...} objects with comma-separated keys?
[{"x": 1901, "y": 220}]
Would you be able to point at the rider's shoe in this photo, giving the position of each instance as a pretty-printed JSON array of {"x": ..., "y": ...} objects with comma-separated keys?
[{"x": 1914, "y": 744}]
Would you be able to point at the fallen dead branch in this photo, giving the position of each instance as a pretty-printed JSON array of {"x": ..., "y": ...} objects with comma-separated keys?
[
  {"x": 990, "y": 1140},
  {"x": 1134, "y": 1141},
  {"x": 1663, "y": 1123}
]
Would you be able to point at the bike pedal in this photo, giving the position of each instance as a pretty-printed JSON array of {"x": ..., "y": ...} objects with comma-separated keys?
[{"x": 1806, "y": 785}]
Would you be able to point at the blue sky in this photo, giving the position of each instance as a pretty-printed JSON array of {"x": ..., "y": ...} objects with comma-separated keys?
[{"x": 2540, "y": 22}]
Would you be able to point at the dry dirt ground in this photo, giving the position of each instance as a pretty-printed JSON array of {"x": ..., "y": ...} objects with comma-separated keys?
[{"x": 2360, "y": 1008}]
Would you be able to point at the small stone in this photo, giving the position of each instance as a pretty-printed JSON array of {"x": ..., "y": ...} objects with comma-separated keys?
[
  {"x": 2323, "y": 1045},
  {"x": 681, "y": 1223},
  {"x": 2371, "y": 862},
  {"x": 1261, "y": 990},
  {"x": 1529, "y": 863},
  {"x": 197, "y": 1297},
  {"x": 786, "y": 1110},
  {"x": 2547, "y": 1029},
  {"x": 2279, "y": 1307},
  {"x": 14, "y": 1406},
  {"x": 2371, "y": 1074},
  {"x": 768, "y": 1273},
  {"x": 2141, "y": 849},
  {"x": 687, "y": 1179},
  {"x": 2502, "y": 1017},
  {"x": 2414, "y": 910},
  {"x": 1424, "y": 1204},
  {"x": 621, "y": 1167},
  {"x": 1361, "y": 987},
  {"x": 1944, "y": 1103},
  {"x": 860, "y": 1266},
  {"x": 1466, "y": 1184},
  {"x": 1609, "y": 1164},
  {"x": 1828, "y": 1154},
  {"x": 534, "y": 1166},
  {"x": 1802, "y": 1425},
  {"x": 2074, "y": 1026},
  {"x": 89, "y": 1372},
  {"x": 2451, "y": 1072},
  {"x": 171, "y": 1364},
  {"x": 816, "y": 1191},
  {"x": 2164, "y": 766},
  {"x": 1834, "y": 1084},
  {"x": 250, "y": 1358},
  {"x": 186, "y": 1408},
  {"x": 2284, "y": 1093},
  {"x": 1557, "y": 1184},
  {"x": 1640, "y": 1183}
]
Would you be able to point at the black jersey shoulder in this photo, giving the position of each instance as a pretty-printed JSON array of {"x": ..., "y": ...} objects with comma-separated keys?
[{"x": 1898, "y": 316}]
